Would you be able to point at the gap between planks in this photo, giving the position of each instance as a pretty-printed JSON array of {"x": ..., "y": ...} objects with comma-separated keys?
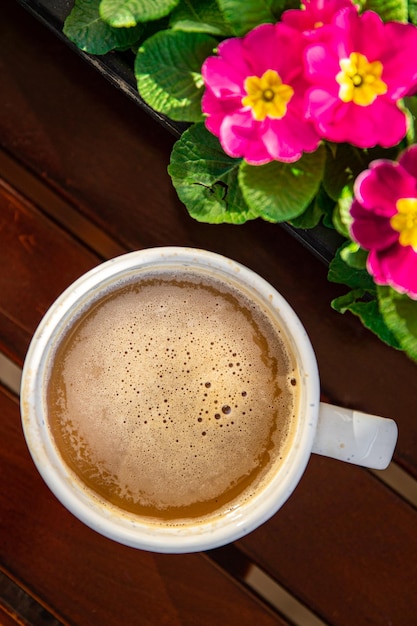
[{"x": 22, "y": 607}]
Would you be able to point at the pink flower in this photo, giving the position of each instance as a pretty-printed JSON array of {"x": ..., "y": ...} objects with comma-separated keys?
[
  {"x": 358, "y": 76},
  {"x": 384, "y": 215},
  {"x": 254, "y": 98},
  {"x": 316, "y": 17}
]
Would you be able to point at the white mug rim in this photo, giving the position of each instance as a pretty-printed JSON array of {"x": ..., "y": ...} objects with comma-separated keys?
[{"x": 117, "y": 525}]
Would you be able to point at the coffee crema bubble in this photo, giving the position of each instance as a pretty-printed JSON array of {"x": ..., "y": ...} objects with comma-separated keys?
[{"x": 173, "y": 397}]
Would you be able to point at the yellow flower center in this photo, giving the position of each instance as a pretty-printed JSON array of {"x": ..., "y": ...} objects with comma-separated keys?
[
  {"x": 267, "y": 96},
  {"x": 405, "y": 221},
  {"x": 360, "y": 81}
]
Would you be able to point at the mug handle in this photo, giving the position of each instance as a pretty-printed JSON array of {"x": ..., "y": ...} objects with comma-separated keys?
[{"x": 355, "y": 437}]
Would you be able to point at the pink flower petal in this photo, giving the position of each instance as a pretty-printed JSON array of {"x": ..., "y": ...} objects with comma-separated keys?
[
  {"x": 228, "y": 104},
  {"x": 364, "y": 127},
  {"x": 387, "y": 134},
  {"x": 321, "y": 107},
  {"x": 408, "y": 160},
  {"x": 360, "y": 126},
  {"x": 322, "y": 66},
  {"x": 222, "y": 78},
  {"x": 371, "y": 231},
  {"x": 366, "y": 34},
  {"x": 382, "y": 185},
  {"x": 399, "y": 59},
  {"x": 396, "y": 266},
  {"x": 239, "y": 137},
  {"x": 315, "y": 17},
  {"x": 231, "y": 51},
  {"x": 261, "y": 49},
  {"x": 218, "y": 109},
  {"x": 287, "y": 141}
]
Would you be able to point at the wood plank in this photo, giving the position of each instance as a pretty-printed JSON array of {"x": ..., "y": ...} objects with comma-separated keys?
[
  {"x": 345, "y": 545},
  {"x": 38, "y": 261},
  {"x": 87, "y": 579}
]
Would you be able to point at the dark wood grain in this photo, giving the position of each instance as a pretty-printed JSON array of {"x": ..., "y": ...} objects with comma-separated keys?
[{"x": 38, "y": 261}]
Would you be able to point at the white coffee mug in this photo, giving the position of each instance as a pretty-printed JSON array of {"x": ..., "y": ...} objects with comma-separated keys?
[{"x": 332, "y": 431}]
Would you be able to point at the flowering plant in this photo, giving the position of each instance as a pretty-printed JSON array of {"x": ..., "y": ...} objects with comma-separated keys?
[{"x": 299, "y": 113}]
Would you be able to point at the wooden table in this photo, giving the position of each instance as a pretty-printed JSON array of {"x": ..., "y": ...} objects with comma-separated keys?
[{"x": 83, "y": 178}]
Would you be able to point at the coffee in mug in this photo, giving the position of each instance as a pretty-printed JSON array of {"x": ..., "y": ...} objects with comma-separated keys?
[{"x": 173, "y": 396}]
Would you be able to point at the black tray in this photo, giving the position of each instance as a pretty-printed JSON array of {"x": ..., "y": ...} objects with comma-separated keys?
[{"x": 117, "y": 67}]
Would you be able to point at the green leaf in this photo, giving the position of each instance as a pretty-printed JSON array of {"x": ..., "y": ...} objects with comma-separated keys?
[
  {"x": 282, "y": 191},
  {"x": 368, "y": 312},
  {"x": 343, "y": 164},
  {"x": 412, "y": 11},
  {"x": 355, "y": 256},
  {"x": 400, "y": 315},
  {"x": 86, "y": 29},
  {"x": 341, "y": 215},
  {"x": 310, "y": 217},
  {"x": 168, "y": 73},
  {"x": 205, "y": 179},
  {"x": 243, "y": 16},
  {"x": 353, "y": 277},
  {"x": 327, "y": 205},
  {"x": 410, "y": 107},
  {"x": 342, "y": 303},
  {"x": 199, "y": 16},
  {"x": 388, "y": 9},
  {"x": 128, "y": 13}
]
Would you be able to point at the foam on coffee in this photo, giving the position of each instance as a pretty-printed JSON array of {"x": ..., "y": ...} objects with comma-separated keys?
[{"x": 173, "y": 397}]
